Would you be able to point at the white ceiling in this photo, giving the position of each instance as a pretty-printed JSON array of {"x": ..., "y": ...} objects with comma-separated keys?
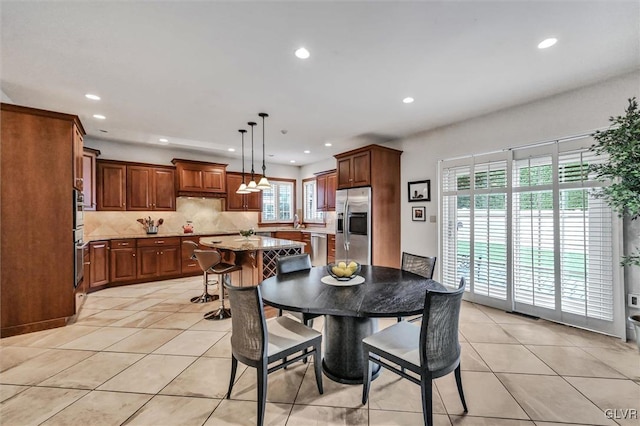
[{"x": 196, "y": 72}]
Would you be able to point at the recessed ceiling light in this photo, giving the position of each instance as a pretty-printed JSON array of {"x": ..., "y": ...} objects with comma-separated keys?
[
  {"x": 408, "y": 100},
  {"x": 99, "y": 116},
  {"x": 306, "y": 151},
  {"x": 92, "y": 97},
  {"x": 547, "y": 43},
  {"x": 302, "y": 53},
  {"x": 231, "y": 150},
  {"x": 163, "y": 140},
  {"x": 292, "y": 161},
  {"x": 327, "y": 144}
]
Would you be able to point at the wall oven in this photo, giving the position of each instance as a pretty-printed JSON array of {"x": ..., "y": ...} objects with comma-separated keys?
[{"x": 78, "y": 237}]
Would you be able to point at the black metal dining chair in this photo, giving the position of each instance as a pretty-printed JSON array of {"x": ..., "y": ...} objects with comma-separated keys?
[
  {"x": 430, "y": 350},
  {"x": 420, "y": 265},
  {"x": 288, "y": 265},
  {"x": 258, "y": 343}
]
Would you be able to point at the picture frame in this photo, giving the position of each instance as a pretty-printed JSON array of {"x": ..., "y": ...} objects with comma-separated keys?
[
  {"x": 418, "y": 214},
  {"x": 419, "y": 190}
]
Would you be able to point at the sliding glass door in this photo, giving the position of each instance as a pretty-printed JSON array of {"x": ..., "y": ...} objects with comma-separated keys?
[{"x": 525, "y": 230}]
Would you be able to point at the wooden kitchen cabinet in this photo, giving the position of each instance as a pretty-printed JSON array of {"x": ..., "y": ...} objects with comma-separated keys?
[
  {"x": 201, "y": 179},
  {"x": 78, "y": 165},
  {"x": 331, "y": 248},
  {"x": 150, "y": 188},
  {"x": 122, "y": 260},
  {"x": 305, "y": 237},
  {"x": 158, "y": 257},
  {"x": 355, "y": 169},
  {"x": 241, "y": 202},
  {"x": 37, "y": 175},
  {"x": 89, "y": 188},
  {"x": 112, "y": 185},
  {"x": 99, "y": 259},
  {"x": 326, "y": 185}
]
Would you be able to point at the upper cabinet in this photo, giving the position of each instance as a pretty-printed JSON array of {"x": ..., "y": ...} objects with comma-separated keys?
[
  {"x": 354, "y": 167},
  {"x": 112, "y": 185},
  {"x": 326, "y": 184},
  {"x": 241, "y": 202},
  {"x": 150, "y": 188},
  {"x": 195, "y": 178},
  {"x": 89, "y": 189},
  {"x": 77, "y": 158},
  {"x": 133, "y": 186}
]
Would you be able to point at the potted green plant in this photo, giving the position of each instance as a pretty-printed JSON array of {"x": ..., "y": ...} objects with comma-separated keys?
[{"x": 620, "y": 143}]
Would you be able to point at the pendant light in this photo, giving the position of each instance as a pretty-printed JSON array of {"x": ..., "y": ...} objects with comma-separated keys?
[
  {"x": 243, "y": 186},
  {"x": 264, "y": 182},
  {"x": 252, "y": 187}
]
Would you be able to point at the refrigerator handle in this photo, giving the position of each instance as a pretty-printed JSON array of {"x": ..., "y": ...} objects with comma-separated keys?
[{"x": 345, "y": 226}]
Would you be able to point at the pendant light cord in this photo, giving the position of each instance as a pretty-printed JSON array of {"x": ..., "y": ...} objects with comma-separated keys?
[
  {"x": 242, "y": 132},
  {"x": 264, "y": 168},
  {"x": 251, "y": 123}
]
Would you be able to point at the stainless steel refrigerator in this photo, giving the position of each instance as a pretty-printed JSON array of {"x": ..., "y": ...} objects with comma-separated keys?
[{"x": 353, "y": 225}]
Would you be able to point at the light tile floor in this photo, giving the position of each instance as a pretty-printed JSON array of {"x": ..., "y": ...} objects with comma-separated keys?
[{"x": 143, "y": 355}]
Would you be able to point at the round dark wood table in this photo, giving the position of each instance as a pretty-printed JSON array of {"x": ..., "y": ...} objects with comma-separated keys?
[{"x": 351, "y": 312}]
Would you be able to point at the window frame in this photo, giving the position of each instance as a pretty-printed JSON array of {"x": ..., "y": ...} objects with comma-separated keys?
[
  {"x": 305, "y": 218},
  {"x": 262, "y": 222}
]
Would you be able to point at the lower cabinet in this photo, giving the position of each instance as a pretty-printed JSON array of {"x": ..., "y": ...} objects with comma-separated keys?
[
  {"x": 99, "y": 259},
  {"x": 158, "y": 257},
  {"x": 189, "y": 266},
  {"x": 331, "y": 248},
  {"x": 306, "y": 238},
  {"x": 122, "y": 260}
]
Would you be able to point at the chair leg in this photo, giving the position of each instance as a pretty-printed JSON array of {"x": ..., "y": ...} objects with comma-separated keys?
[
  {"x": 262, "y": 393},
  {"x": 460, "y": 391},
  {"x": 399, "y": 319},
  {"x": 318, "y": 368},
  {"x": 366, "y": 379},
  {"x": 234, "y": 368},
  {"x": 427, "y": 406}
]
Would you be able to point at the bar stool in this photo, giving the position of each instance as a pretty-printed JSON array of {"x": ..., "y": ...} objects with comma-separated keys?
[
  {"x": 211, "y": 262},
  {"x": 205, "y": 296}
]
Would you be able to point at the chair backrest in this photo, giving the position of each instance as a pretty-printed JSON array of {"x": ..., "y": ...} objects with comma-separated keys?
[
  {"x": 296, "y": 262},
  {"x": 207, "y": 258},
  {"x": 191, "y": 246},
  {"x": 248, "y": 325},
  {"x": 421, "y": 265},
  {"x": 440, "y": 349}
]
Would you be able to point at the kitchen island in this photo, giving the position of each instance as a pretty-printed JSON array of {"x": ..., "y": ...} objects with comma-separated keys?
[{"x": 258, "y": 255}]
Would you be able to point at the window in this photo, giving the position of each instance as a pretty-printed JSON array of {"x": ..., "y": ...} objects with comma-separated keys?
[
  {"x": 310, "y": 212},
  {"x": 525, "y": 230},
  {"x": 278, "y": 203}
]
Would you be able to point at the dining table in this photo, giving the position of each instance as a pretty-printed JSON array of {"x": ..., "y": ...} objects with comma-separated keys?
[{"x": 351, "y": 308}]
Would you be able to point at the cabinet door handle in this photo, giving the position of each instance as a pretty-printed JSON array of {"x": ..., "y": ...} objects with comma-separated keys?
[
  {"x": 87, "y": 263},
  {"x": 160, "y": 242},
  {"x": 99, "y": 246},
  {"x": 134, "y": 255},
  {"x": 124, "y": 244}
]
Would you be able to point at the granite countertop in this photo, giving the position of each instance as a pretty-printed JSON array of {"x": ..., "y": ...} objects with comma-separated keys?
[
  {"x": 237, "y": 243},
  {"x": 165, "y": 234}
]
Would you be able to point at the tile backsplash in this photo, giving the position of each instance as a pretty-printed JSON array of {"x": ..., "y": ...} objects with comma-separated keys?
[{"x": 206, "y": 214}]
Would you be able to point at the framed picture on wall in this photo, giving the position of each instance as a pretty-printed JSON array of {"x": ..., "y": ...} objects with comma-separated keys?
[
  {"x": 420, "y": 190},
  {"x": 418, "y": 214}
]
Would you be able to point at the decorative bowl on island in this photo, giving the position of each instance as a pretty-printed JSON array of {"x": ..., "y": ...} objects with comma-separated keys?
[{"x": 344, "y": 271}]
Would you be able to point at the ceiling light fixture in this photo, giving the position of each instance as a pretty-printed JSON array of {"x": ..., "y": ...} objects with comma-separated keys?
[
  {"x": 231, "y": 149},
  {"x": 306, "y": 151},
  {"x": 302, "y": 53},
  {"x": 292, "y": 161},
  {"x": 408, "y": 100},
  {"x": 243, "y": 186},
  {"x": 547, "y": 43},
  {"x": 92, "y": 97},
  {"x": 264, "y": 182},
  {"x": 99, "y": 116},
  {"x": 163, "y": 140},
  {"x": 327, "y": 144},
  {"x": 252, "y": 187}
]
